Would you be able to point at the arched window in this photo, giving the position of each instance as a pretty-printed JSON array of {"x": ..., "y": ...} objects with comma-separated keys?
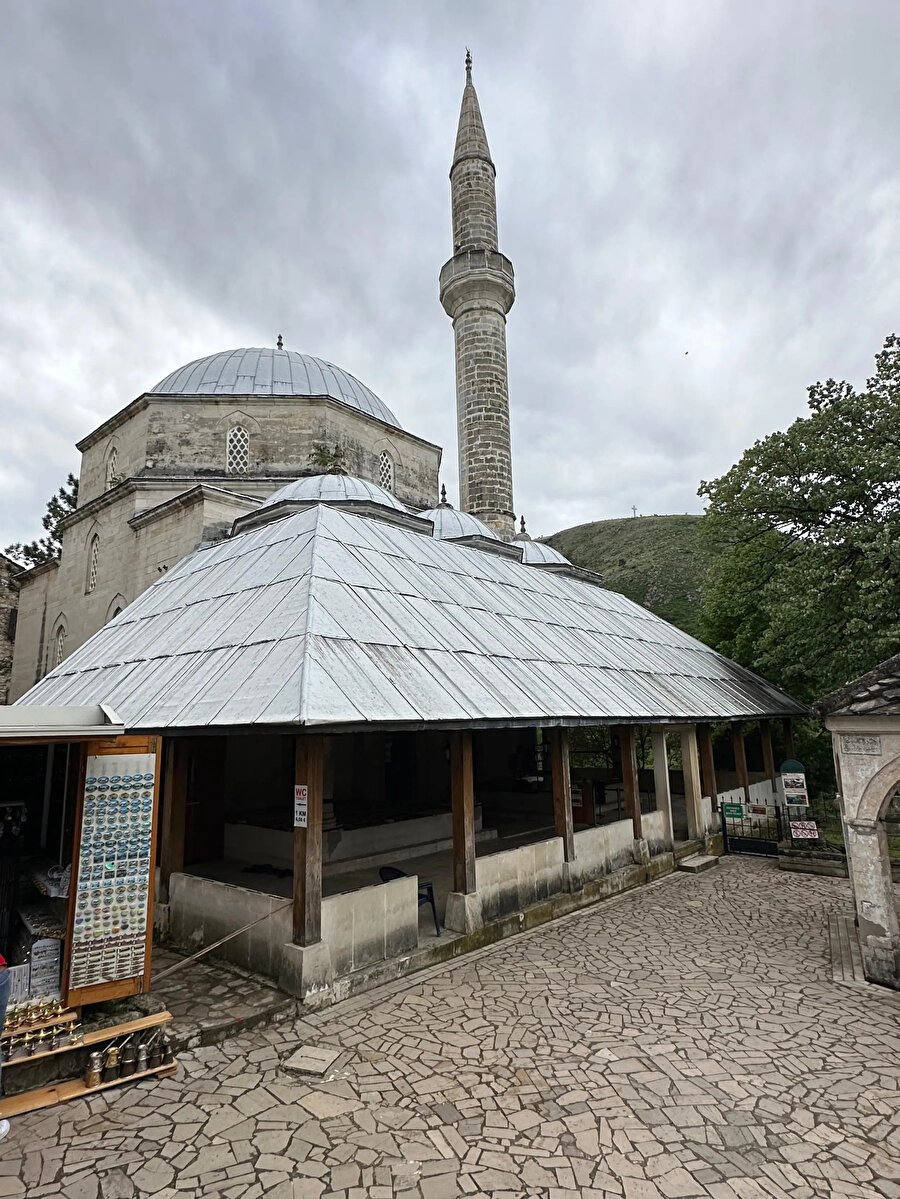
[
  {"x": 237, "y": 454},
  {"x": 93, "y": 562},
  {"x": 59, "y": 645},
  {"x": 112, "y": 464},
  {"x": 386, "y": 471}
]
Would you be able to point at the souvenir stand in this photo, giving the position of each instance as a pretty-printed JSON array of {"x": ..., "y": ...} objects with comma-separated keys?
[{"x": 79, "y": 806}]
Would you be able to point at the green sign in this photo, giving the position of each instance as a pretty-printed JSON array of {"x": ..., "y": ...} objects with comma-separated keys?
[{"x": 734, "y": 811}]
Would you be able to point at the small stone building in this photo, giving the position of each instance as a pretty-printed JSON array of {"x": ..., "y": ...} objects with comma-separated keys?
[{"x": 864, "y": 720}]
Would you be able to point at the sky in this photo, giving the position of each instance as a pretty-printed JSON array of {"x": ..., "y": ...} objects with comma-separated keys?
[{"x": 700, "y": 199}]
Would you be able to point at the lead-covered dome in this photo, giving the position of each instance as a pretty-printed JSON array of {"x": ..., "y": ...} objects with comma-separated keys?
[
  {"x": 450, "y": 525},
  {"x": 536, "y": 553},
  {"x": 334, "y": 489},
  {"x": 266, "y": 372}
]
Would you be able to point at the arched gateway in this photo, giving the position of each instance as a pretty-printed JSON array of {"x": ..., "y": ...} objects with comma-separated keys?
[{"x": 864, "y": 720}]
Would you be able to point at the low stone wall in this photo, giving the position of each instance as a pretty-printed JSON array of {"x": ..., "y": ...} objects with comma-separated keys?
[
  {"x": 514, "y": 879},
  {"x": 360, "y": 928},
  {"x": 372, "y": 924},
  {"x": 399, "y": 839},
  {"x": 655, "y": 828},
  {"x": 601, "y": 850},
  {"x": 201, "y": 910}
]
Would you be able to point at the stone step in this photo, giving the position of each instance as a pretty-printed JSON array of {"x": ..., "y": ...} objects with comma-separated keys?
[{"x": 698, "y": 862}]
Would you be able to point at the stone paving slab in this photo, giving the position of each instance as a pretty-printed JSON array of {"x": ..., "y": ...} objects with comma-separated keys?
[
  {"x": 685, "y": 1039},
  {"x": 211, "y": 1001}
]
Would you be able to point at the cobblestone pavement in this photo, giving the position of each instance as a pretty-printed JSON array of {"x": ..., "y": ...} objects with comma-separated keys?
[{"x": 683, "y": 1040}]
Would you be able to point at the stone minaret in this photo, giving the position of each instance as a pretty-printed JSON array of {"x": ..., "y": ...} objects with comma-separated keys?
[{"x": 477, "y": 291}]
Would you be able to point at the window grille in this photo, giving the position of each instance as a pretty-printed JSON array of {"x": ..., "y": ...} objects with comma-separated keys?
[
  {"x": 386, "y": 471},
  {"x": 112, "y": 463},
  {"x": 93, "y": 562},
  {"x": 60, "y": 648},
  {"x": 237, "y": 457}
]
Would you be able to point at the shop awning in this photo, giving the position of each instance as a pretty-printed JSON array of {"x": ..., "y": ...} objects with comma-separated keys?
[{"x": 77, "y": 723}]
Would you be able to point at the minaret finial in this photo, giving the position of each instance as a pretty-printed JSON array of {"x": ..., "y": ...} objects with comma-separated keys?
[
  {"x": 280, "y": 342},
  {"x": 443, "y": 494},
  {"x": 468, "y": 63}
]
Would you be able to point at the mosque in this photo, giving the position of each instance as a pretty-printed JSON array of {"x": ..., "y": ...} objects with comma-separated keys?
[{"x": 414, "y": 669}]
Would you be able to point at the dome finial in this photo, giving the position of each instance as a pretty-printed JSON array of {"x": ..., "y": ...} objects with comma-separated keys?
[
  {"x": 522, "y": 524},
  {"x": 468, "y": 63},
  {"x": 280, "y": 342}
]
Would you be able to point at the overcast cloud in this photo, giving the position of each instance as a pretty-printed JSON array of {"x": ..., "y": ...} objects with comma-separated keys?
[{"x": 721, "y": 178}]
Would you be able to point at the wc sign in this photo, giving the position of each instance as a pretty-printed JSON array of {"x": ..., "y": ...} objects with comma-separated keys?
[{"x": 301, "y": 806}]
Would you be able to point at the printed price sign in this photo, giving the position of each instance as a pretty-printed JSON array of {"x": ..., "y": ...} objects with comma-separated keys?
[
  {"x": 301, "y": 806},
  {"x": 804, "y": 830}
]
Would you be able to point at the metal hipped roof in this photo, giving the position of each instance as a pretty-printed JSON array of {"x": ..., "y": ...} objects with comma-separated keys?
[{"x": 330, "y": 618}]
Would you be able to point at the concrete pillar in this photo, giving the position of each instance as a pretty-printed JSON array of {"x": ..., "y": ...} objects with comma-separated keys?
[
  {"x": 690, "y": 761},
  {"x": 174, "y": 805},
  {"x": 876, "y": 912},
  {"x": 765, "y": 727},
  {"x": 661, "y": 781}
]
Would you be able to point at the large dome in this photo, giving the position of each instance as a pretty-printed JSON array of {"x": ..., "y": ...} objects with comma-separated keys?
[{"x": 273, "y": 373}]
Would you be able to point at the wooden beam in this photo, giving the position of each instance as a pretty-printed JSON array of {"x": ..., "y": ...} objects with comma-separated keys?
[
  {"x": 707, "y": 762},
  {"x": 175, "y": 780},
  {"x": 765, "y": 728},
  {"x": 661, "y": 781},
  {"x": 562, "y": 790},
  {"x": 690, "y": 763},
  {"x": 740, "y": 758},
  {"x": 309, "y": 772},
  {"x": 462, "y": 799},
  {"x": 787, "y": 726},
  {"x": 630, "y": 778}
]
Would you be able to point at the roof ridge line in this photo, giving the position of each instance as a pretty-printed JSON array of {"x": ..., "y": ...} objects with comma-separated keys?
[{"x": 307, "y": 632}]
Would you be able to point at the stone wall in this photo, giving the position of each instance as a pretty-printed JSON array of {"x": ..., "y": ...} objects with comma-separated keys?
[
  {"x": 9, "y": 603},
  {"x": 360, "y": 928},
  {"x": 604, "y": 849},
  {"x": 31, "y": 628},
  {"x": 513, "y": 879}
]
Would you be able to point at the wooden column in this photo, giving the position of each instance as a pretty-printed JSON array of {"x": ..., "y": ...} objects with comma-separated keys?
[
  {"x": 740, "y": 759},
  {"x": 765, "y": 728},
  {"x": 562, "y": 790},
  {"x": 661, "y": 782},
  {"x": 175, "y": 781},
  {"x": 690, "y": 764},
  {"x": 788, "y": 727},
  {"x": 309, "y": 771},
  {"x": 462, "y": 799},
  {"x": 630, "y": 778},
  {"x": 707, "y": 762}
]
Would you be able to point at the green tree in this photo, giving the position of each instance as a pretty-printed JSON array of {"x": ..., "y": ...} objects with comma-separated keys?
[
  {"x": 48, "y": 547},
  {"x": 806, "y": 586},
  {"x": 328, "y": 460}
]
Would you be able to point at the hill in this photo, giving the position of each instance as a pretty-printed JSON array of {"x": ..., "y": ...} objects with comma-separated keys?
[{"x": 655, "y": 560}]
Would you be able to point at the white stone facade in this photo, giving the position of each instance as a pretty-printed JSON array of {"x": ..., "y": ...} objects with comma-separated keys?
[{"x": 155, "y": 483}]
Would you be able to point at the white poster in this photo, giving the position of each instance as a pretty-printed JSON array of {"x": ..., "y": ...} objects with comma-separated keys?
[{"x": 301, "y": 805}]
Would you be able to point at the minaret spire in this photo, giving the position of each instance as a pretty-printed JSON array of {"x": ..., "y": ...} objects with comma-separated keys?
[{"x": 477, "y": 291}]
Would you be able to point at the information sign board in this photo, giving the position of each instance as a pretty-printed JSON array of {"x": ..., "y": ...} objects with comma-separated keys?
[
  {"x": 734, "y": 811},
  {"x": 301, "y": 806}
]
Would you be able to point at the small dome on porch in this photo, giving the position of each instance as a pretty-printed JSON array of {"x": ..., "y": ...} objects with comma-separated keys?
[
  {"x": 537, "y": 553},
  {"x": 450, "y": 525},
  {"x": 334, "y": 489}
]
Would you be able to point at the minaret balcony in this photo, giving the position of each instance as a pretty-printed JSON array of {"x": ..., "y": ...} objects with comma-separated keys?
[{"x": 477, "y": 275}]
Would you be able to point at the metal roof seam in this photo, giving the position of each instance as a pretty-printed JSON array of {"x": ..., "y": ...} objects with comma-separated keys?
[{"x": 303, "y": 698}]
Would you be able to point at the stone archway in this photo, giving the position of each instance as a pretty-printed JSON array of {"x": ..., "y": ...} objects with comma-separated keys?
[{"x": 868, "y": 860}]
